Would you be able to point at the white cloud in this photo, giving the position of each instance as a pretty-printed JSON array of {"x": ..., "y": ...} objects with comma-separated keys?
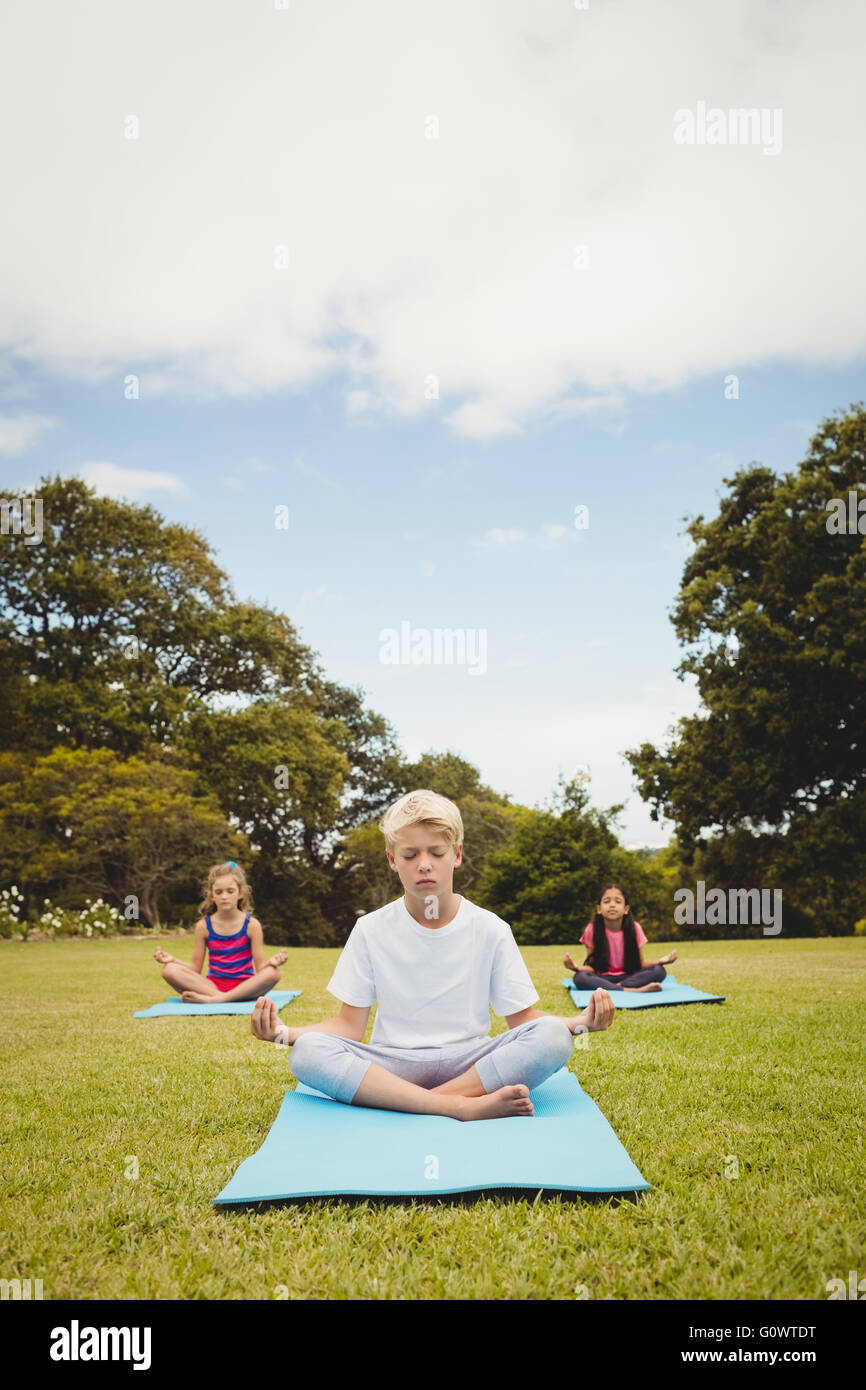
[
  {"x": 499, "y": 537},
  {"x": 482, "y": 420},
  {"x": 408, "y": 257},
  {"x": 504, "y": 538},
  {"x": 18, "y": 432},
  {"x": 131, "y": 484}
]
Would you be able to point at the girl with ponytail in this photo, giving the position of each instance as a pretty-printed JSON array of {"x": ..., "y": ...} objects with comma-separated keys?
[
  {"x": 234, "y": 942},
  {"x": 614, "y": 944}
]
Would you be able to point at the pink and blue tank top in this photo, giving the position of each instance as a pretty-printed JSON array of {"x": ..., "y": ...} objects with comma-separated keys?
[{"x": 230, "y": 957}]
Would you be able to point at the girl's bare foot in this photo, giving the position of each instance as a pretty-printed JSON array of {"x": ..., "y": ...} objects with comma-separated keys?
[
  {"x": 569, "y": 963},
  {"x": 278, "y": 958},
  {"x": 164, "y": 958},
  {"x": 640, "y": 989},
  {"x": 195, "y": 996},
  {"x": 508, "y": 1100}
]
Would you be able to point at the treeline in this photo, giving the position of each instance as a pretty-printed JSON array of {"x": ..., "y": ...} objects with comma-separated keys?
[
  {"x": 123, "y": 774},
  {"x": 153, "y": 725}
]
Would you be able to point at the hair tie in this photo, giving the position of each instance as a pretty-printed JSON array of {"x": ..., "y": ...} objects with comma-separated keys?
[{"x": 231, "y": 863}]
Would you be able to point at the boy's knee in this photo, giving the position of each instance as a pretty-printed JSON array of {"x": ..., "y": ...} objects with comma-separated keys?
[
  {"x": 557, "y": 1036},
  {"x": 305, "y": 1052}
]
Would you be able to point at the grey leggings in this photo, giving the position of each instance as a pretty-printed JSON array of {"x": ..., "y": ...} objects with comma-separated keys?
[
  {"x": 652, "y": 974},
  {"x": 529, "y": 1054}
]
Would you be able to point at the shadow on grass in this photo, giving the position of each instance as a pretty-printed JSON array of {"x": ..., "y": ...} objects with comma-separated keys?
[{"x": 503, "y": 1195}]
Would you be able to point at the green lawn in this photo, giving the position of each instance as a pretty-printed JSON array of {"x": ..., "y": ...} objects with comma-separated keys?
[{"x": 773, "y": 1077}]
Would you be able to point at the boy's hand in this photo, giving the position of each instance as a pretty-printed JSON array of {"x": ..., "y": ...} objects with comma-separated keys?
[
  {"x": 266, "y": 1025},
  {"x": 599, "y": 1012}
]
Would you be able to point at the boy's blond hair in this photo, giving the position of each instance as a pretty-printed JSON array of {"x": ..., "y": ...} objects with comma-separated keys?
[{"x": 422, "y": 807}]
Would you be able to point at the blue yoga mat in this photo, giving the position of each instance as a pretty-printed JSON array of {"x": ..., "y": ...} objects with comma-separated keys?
[
  {"x": 172, "y": 1007},
  {"x": 670, "y": 993},
  {"x": 318, "y": 1147}
]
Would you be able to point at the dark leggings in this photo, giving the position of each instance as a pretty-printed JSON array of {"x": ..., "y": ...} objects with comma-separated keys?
[{"x": 653, "y": 974}]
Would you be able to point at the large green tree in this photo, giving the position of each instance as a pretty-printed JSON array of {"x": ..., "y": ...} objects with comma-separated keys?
[
  {"x": 772, "y": 612},
  {"x": 85, "y": 821},
  {"x": 119, "y": 631},
  {"x": 117, "y": 624}
]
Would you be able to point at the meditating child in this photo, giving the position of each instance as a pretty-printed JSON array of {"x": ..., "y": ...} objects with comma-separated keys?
[
  {"x": 614, "y": 944},
  {"x": 234, "y": 943},
  {"x": 433, "y": 962}
]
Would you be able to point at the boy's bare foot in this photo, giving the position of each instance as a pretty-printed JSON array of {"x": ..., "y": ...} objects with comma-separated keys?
[
  {"x": 569, "y": 963},
  {"x": 508, "y": 1100},
  {"x": 278, "y": 958},
  {"x": 640, "y": 989},
  {"x": 599, "y": 1012},
  {"x": 164, "y": 958}
]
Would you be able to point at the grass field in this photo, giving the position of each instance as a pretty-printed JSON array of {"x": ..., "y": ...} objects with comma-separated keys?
[{"x": 773, "y": 1078}]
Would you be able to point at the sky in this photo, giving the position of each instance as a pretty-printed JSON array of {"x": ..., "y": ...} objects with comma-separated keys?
[{"x": 379, "y": 296}]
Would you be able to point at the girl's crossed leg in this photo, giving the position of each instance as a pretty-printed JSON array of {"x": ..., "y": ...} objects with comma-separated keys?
[
  {"x": 643, "y": 981},
  {"x": 195, "y": 989}
]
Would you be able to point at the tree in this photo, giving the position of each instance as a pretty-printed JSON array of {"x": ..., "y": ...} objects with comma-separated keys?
[
  {"x": 117, "y": 624},
  {"x": 95, "y": 823},
  {"x": 120, "y": 632},
  {"x": 772, "y": 609},
  {"x": 545, "y": 882}
]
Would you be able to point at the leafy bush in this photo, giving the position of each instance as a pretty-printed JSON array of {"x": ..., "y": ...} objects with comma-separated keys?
[
  {"x": 10, "y": 910},
  {"x": 97, "y": 919}
]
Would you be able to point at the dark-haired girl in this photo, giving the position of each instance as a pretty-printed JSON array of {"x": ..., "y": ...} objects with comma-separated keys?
[{"x": 614, "y": 944}]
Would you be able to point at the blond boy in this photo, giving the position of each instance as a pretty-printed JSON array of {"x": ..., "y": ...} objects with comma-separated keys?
[{"x": 433, "y": 963}]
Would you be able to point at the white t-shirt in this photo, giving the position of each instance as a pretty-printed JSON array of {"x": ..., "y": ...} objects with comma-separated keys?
[{"x": 433, "y": 985}]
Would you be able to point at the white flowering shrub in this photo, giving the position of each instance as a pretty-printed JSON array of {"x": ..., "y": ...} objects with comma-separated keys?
[
  {"x": 10, "y": 911},
  {"x": 94, "y": 919}
]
